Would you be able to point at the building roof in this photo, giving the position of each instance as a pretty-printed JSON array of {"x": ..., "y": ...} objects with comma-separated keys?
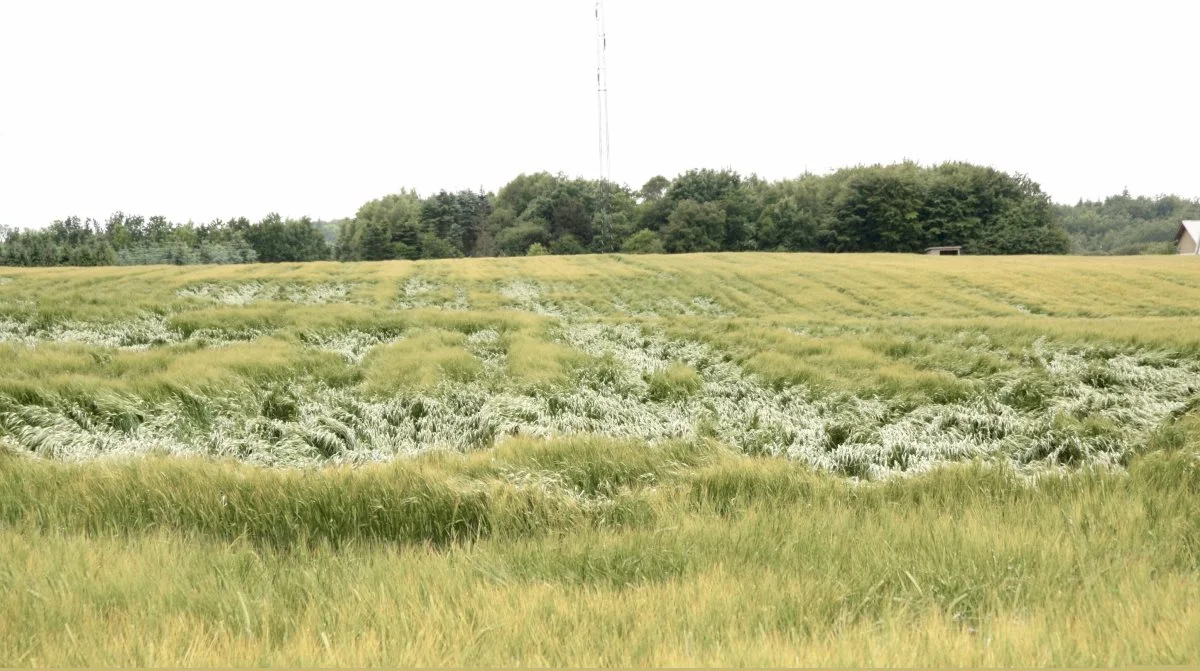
[
  {"x": 930, "y": 249},
  {"x": 1192, "y": 227}
]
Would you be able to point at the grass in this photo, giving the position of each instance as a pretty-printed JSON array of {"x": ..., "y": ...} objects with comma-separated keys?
[
  {"x": 421, "y": 361},
  {"x": 732, "y": 459},
  {"x": 694, "y": 556}
]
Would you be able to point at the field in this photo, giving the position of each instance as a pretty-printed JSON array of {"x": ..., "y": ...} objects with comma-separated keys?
[{"x": 697, "y": 459}]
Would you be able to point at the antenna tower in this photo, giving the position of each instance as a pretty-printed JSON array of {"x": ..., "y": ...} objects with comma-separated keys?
[{"x": 602, "y": 88}]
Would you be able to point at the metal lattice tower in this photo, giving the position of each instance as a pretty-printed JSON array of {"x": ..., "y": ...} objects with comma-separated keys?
[{"x": 602, "y": 88}]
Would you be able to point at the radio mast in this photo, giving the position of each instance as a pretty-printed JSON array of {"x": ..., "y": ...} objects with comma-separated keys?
[{"x": 602, "y": 89}]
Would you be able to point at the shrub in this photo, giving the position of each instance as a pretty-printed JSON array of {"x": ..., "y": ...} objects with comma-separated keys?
[{"x": 644, "y": 241}]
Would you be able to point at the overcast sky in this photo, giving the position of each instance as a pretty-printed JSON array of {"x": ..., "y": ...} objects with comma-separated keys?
[{"x": 198, "y": 110}]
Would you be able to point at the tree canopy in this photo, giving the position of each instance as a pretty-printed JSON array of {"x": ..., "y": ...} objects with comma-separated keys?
[
  {"x": 1125, "y": 225},
  {"x": 902, "y": 207}
]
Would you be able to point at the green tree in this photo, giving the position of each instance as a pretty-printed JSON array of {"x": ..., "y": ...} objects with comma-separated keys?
[
  {"x": 399, "y": 214},
  {"x": 515, "y": 240},
  {"x": 349, "y": 245},
  {"x": 654, "y": 188},
  {"x": 567, "y": 244},
  {"x": 1027, "y": 226},
  {"x": 277, "y": 240},
  {"x": 456, "y": 218},
  {"x": 434, "y": 247},
  {"x": 376, "y": 242},
  {"x": 878, "y": 209},
  {"x": 695, "y": 227},
  {"x": 519, "y": 194},
  {"x": 793, "y": 214},
  {"x": 727, "y": 190},
  {"x": 643, "y": 242},
  {"x": 595, "y": 213},
  {"x": 1123, "y": 224}
]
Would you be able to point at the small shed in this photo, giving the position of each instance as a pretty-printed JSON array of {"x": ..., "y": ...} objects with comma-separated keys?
[
  {"x": 946, "y": 251},
  {"x": 1187, "y": 238}
]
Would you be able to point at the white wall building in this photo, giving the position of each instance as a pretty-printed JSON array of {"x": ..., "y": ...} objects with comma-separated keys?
[{"x": 1188, "y": 237}]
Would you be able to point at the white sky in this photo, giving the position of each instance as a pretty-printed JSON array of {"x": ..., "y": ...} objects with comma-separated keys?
[{"x": 198, "y": 110}]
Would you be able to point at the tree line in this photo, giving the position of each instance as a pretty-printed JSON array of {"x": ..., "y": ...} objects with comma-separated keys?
[
  {"x": 894, "y": 208},
  {"x": 1126, "y": 225},
  {"x": 135, "y": 240}
]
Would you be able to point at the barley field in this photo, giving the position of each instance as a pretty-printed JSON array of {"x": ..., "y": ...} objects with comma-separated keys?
[{"x": 723, "y": 459}]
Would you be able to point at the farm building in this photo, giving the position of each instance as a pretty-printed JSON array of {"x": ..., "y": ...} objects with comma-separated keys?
[
  {"x": 1188, "y": 237},
  {"x": 943, "y": 251}
]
